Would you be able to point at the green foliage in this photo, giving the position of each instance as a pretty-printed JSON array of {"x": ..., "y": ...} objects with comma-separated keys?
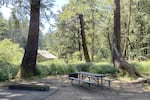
[
  {"x": 143, "y": 67},
  {"x": 10, "y": 55},
  {"x": 10, "y": 52},
  {"x": 84, "y": 66},
  {"x": 139, "y": 34},
  {"x": 66, "y": 41},
  {"x": 59, "y": 67},
  {"x": 8, "y": 71},
  {"x": 75, "y": 58},
  {"x": 55, "y": 67},
  {"x": 18, "y": 30},
  {"x": 71, "y": 68},
  {"x": 3, "y": 28},
  {"x": 102, "y": 68},
  {"x": 42, "y": 71}
]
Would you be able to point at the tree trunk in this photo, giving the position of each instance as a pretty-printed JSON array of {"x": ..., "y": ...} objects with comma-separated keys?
[
  {"x": 28, "y": 66},
  {"x": 118, "y": 61},
  {"x": 79, "y": 45},
  {"x": 83, "y": 37}
]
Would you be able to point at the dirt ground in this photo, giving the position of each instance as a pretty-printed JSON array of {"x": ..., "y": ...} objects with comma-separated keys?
[{"x": 66, "y": 91}]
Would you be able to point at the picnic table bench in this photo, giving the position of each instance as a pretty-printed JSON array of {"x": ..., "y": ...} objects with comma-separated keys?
[{"x": 90, "y": 78}]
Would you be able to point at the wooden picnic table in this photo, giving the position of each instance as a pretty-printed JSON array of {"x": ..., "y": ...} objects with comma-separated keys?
[
  {"x": 99, "y": 77},
  {"x": 93, "y": 78}
]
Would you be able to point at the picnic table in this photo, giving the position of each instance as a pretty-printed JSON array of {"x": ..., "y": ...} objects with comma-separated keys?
[{"x": 90, "y": 78}]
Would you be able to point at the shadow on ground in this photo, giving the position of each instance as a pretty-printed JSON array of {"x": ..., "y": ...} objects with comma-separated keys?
[{"x": 8, "y": 94}]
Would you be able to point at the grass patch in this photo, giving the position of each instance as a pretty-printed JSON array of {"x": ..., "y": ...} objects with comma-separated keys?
[
  {"x": 125, "y": 78},
  {"x": 102, "y": 68},
  {"x": 61, "y": 68},
  {"x": 55, "y": 67},
  {"x": 84, "y": 66},
  {"x": 143, "y": 67}
]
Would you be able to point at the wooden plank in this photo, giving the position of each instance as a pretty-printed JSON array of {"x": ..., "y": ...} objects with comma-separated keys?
[
  {"x": 73, "y": 78},
  {"x": 85, "y": 81},
  {"x": 92, "y": 74}
]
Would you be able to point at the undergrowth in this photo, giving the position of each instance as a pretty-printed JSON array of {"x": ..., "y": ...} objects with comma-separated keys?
[{"x": 59, "y": 67}]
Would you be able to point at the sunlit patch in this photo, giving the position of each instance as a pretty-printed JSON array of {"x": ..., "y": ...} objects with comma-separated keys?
[
  {"x": 6, "y": 12},
  {"x": 14, "y": 95}
]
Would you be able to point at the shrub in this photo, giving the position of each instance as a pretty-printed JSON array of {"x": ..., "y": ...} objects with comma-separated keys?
[
  {"x": 143, "y": 67},
  {"x": 71, "y": 68},
  {"x": 54, "y": 67},
  {"x": 42, "y": 71},
  {"x": 102, "y": 68},
  {"x": 59, "y": 67},
  {"x": 84, "y": 66},
  {"x": 8, "y": 71},
  {"x": 10, "y": 52}
]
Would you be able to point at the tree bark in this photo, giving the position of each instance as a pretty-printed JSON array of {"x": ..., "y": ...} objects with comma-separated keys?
[
  {"x": 119, "y": 62},
  {"x": 28, "y": 66},
  {"x": 83, "y": 37},
  {"x": 79, "y": 45}
]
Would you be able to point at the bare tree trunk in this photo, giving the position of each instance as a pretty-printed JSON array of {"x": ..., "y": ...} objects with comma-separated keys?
[
  {"x": 118, "y": 60},
  {"x": 83, "y": 37},
  {"x": 79, "y": 45},
  {"x": 28, "y": 66}
]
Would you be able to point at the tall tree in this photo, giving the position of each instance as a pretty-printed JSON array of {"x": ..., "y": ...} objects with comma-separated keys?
[
  {"x": 29, "y": 59},
  {"x": 84, "y": 45},
  {"x": 118, "y": 61}
]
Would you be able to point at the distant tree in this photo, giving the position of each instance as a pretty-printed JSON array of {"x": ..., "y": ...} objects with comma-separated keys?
[
  {"x": 18, "y": 30},
  {"x": 126, "y": 44},
  {"x": 3, "y": 28}
]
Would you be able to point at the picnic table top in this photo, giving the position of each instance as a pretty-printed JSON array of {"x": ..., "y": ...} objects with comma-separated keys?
[{"x": 92, "y": 74}]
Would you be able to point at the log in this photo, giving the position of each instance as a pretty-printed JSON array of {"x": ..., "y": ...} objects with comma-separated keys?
[{"x": 32, "y": 87}]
